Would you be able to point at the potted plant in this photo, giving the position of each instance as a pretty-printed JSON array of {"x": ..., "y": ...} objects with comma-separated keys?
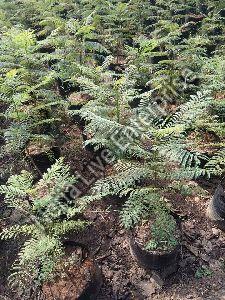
[
  {"x": 154, "y": 242},
  {"x": 42, "y": 152},
  {"x": 77, "y": 277},
  {"x": 33, "y": 109},
  {"x": 46, "y": 215},
  {"x": 77, "y": 100}
]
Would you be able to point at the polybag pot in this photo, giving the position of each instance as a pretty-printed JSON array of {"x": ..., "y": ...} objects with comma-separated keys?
[
  {"x": 81, "y": 282},
  {"x": 216, "y": 208},
  {"x": 154, "y": 260},
  {"x": 43, "y": 160}
]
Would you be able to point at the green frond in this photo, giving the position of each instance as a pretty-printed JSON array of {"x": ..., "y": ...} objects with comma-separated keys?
[
  {"x": 216, "y": 164},
  {"x": 16, "y": 230},
  {"x": 138, "y": 205},
  {"x": 131, "y": 174},
  {"x": 67, "y": 226}
]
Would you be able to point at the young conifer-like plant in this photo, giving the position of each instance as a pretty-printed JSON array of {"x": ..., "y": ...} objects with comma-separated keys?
[{"x": 44, "y": 219}]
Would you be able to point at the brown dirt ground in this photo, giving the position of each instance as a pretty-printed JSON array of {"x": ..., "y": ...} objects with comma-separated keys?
[{"x": 202, "y": 245}]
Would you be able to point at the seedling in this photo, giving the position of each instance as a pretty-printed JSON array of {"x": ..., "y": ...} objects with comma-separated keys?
[
  {"x": 203, "y": 272},
  {"x": 163, "y": 232},
  {"x": 46, "y": 217}
]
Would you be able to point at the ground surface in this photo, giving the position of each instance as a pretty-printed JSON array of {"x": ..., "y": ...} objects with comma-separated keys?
[{"x": 203, "y": 244}]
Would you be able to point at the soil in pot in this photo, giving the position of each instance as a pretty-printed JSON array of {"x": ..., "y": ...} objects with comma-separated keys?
[
  {"x": 66, "y": 87},
  {"x": 164, "y": 261},
  {"x": 188, "y": 29},
  {"x": 76, "y": 101},
  {"x": 90, "y": 147},
  {"x": 81, "y": 281},
  {"x": 158, "y": 58},
  {"x": 194, "y": 18},
  {"x": 118, "y": 65},
  {"x": 42, "y": 155}
]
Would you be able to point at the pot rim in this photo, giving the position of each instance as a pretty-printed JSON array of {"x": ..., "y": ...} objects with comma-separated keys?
[
  {"x": 133, "y": 239},
  {"x": 176, "y": 249}
]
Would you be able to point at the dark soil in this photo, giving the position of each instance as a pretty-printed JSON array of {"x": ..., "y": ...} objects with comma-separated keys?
[
  {"x": 203, "y": 245},
  {"x": 142, "y": 235},
  {"x": 77, "y": 281}
]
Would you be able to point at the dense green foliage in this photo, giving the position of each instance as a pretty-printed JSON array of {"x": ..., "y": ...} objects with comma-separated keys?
[
  {"x": 45, "y": 216},
  {"x": 153, "y": 74}
]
